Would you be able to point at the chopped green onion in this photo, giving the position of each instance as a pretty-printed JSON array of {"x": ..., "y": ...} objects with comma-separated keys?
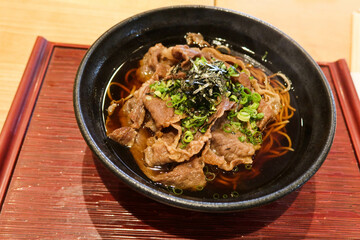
[
  {"x": 254, "y": 106},
  {"x": 177, "y": 191},
  {"x": 210, "y": 176},
  {"x": 206, "y": 83},
  {"x": 250, "y": 111},
  {"x": 242, "y": 138},
  {"x": 243, "y": 116},
  {"x": 203, "y": 129},
  {"x": 260, "y": 116},
  {"x": 231, "y": 114},
  {"x": 169, "y": 104},
  {"x": 256, "y": 97},
  {"x": 253, "y": 124},
  {"x": 235, "y": 124},
  {"x": 178, "y": 112},
  {"x": 244, "y": 100},
  {"x": 169, "y": 83},
  {"x": 263, "y": 58},
  {"x": 233, "y": 72},
  {"x": 157, "y": 93},
  {"x": 227, "y": 128},
  {"x": 182, "y": 145},
  {"x": 234, "y": 194},
  {"x": 248, "y": 166},
  {"x": 199, "y": 188},
  {"x": 246, "y": 91},
  {"x": 216, "y": 196},
  {"x": 199, "y": 117},
  {"x": 233, "y": 98},
  {"x": 188, "y": 136}
]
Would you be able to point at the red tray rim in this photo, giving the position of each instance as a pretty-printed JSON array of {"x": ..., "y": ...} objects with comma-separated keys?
[{"x": 19, "y": 115}]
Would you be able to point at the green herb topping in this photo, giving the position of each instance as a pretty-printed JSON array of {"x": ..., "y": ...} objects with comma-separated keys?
[{"x": 197, "y": 96}]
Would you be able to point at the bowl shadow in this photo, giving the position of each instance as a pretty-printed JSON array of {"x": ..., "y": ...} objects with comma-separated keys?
[{"x": 118, "y": 211}]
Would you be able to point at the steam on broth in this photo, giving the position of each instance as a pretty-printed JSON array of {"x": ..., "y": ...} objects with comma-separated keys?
[{"x": 199, "y": 120}]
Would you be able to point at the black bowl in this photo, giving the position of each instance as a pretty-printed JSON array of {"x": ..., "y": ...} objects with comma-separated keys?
[{"x": 312, "y": 129}]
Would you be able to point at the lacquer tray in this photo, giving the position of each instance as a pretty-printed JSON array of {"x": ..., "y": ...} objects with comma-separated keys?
[{"x": 54, "y": 188}]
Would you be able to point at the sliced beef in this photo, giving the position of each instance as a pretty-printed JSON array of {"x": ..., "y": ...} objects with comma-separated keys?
[
  {"x": 161, "y": 152},
  {"x": 132, "y": 113},
  {"x": 193, "y": 148},
  {"x": 197, "y": 39},
  {"x": 236, "y": 153},
  {"x": 188, "y": 175},
  {"x": 270, "y": 107},
  {"x": 158, "y": 59},
  {"x": 150, "y": 124},
  {"x": 157, "y": 154},
  {"x": 144, "y": 89},
  {"x": 160, "y": 112},
  {"x": 160, "y": 146},
  {"x": 225, "y": 105},
  {"x": 225, "y": 150},
  {"x": 180, "y": 74},
  {"x": 184, "y": 53},
  {"x": 149, "y": 62},
  {"x": 244, "y": 80},
  {"x": 124, "y": 135}
]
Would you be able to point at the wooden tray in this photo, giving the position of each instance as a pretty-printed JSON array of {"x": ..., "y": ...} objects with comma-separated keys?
[{"x": 58, "y": 190}]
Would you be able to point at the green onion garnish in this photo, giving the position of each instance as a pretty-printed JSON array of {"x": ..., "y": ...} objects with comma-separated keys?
[
  {"x": 234, "y": 194},
  {"x": 210, "y": 176},
  {"x": 197, "y": 96},
  {"x": 227, "y": 128},
  {"x": 177, "y": 191},
  {"x": 188, "y": 137},
  {"x": 243, "y": 116},
  {"x": 256, "y": 97},
  {"x": 248, "y": 166}
]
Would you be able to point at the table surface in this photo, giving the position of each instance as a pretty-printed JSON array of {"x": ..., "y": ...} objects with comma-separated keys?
[{"x": 322, "y": 27}]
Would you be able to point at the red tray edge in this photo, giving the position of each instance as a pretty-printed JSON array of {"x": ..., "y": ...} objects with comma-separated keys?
[
  {"x": 349, "y": 100},
  {"x": 20, "y": 112},
  {"x": 18, "y": 118}
]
